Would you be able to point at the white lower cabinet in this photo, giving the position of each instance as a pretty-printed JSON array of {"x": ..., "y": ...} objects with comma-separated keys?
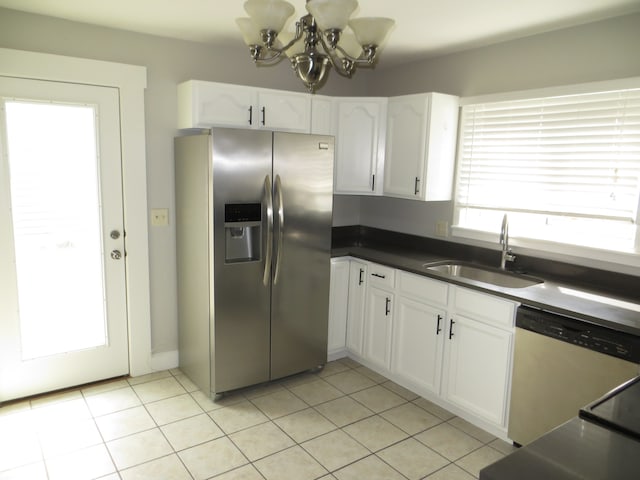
[
  {"x": 450, "y": 344},
  {"x": 418, "y": 339},
  {"x": 356, "y": 305},
  {"x": 478, "y": 367},
  {"x": 478, "y": 354},
  {"x": 338, "y": 307},
  {"x": 377, "y": 327}
]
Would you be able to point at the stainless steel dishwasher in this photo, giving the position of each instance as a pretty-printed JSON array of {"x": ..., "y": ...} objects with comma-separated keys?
[{"x": 560, "y": 365}]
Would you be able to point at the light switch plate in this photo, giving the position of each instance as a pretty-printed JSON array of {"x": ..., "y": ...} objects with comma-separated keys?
[
  {"x": 159, "y": 217},
  {"x": 442, "y": 228}
]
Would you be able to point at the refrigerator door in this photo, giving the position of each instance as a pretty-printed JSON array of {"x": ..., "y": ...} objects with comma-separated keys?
[
  {"x": 242, "y": 170},
  {"x": 303, "y": 200}
]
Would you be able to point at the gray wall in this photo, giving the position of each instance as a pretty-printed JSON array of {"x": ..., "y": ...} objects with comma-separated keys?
[
  {"x": 598, "y": 51},
  {"x": 168, "y": 63}
]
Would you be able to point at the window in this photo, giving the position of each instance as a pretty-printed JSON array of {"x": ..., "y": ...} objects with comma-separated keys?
[{"x": 566, "y": 169}]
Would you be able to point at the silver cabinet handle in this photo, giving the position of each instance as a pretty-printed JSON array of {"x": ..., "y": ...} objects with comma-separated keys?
[
  {"x": 264, "y": 115},
  {"x": 360, "y": 277},
  {"x": 378, "y": 275},
  {"x": 387, "y": 305},
  {"x": 416, "y": 189},
  {"x": 280, "y": 229},
  {"x": 451, "y": 323},
  {"x": 438, "y": 328},
  {"x": 250, "y": 114},
  {"x": 116, "y": 254},
  {"x": 269, "y": 242}
]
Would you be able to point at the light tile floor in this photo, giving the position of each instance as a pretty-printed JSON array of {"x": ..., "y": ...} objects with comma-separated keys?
[{"x": 345, "y": 422}]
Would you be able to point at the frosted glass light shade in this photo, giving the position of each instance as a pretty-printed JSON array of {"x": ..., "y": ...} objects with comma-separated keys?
[
  {"x": 269, "y": 14},
  {"x": 350, "y": 45},
  {"x": 296, "y": 48},
  {"x": 331, "y": 14},
  {"x": 250, "y": 32},
  {"x": 371, "y": 30}
]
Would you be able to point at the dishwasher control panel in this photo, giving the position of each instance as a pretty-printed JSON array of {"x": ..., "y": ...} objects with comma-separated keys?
[{"x": 580, "y": 333}]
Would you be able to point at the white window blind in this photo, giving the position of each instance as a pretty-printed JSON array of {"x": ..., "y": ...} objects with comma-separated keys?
[{"x": 565, "y": 169}]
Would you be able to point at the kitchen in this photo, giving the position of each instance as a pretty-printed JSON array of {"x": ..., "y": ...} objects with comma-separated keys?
[{"x": 546, "y": 59}]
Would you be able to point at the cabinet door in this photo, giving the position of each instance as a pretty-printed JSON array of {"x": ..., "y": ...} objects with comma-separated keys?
[
  {"x": 478, "y": 360},
  {"x": 321, "y": 115},
  {"x": 418, "y": 339},
  {"x": 338, "y": 305},
  {"x": 357, "y": 291},
  {"x": 405, "y": 146},
  {"x": 359, "y": 146},
  {"x": 209, "y": 104},
  {"x": 284, "y": 111},
  {"x": 377, "y": 327},
  {"x": 442, "y": 132}
]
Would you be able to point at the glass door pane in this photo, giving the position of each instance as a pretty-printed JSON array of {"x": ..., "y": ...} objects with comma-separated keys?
[{"x": 56, "y": 212}]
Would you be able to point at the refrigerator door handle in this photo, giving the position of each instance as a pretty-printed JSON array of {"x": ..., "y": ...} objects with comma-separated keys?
[
  {"x": 269, "y": 244},
  {"x": 278, "y": 192}
]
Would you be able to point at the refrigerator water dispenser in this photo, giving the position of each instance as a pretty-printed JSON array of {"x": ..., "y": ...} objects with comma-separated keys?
[{"x": 242, "y": 225}]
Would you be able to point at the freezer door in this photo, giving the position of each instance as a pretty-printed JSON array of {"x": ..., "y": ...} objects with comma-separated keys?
[
  {"x": 242, "y": 170},
  {"x": 303, "y": 199}
]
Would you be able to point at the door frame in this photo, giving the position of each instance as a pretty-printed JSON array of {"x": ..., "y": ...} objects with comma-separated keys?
[{"x": 131, "y": 81}]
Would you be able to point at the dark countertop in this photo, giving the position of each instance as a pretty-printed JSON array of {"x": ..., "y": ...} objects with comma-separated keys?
[
  {"x": 556, "y": 294},
  {"x": 576, "y": 450},
  {"x": 603, "y": 443}
]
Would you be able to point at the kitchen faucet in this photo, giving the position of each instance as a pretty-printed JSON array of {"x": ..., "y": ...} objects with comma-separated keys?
[{"x": 507, "y": 255}]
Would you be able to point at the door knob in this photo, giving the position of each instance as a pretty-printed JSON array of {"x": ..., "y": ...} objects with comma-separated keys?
[
  {"x": 116, "y": 254},
  {"x": 115, "y": 234}
]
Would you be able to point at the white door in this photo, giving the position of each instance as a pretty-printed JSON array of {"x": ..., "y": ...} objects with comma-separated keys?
[
  {"x": 377, "y": 327},
  {"x": 355, "y": 315},
  {"x": 62, "y": 269},
  {"x": 358, "y": 133},
  {"x": 418, "y": 339},
  {"x": 477, "y": 377},
  {"x": 405, "y": 146}
]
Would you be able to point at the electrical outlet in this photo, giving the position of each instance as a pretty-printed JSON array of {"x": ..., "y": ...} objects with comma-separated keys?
[
  {"x": 442, "y": 228},
  {"x": 159, "y": 217}
]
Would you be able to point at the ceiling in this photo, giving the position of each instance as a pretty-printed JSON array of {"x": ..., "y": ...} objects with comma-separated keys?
[{"x": 424, "y": 28}]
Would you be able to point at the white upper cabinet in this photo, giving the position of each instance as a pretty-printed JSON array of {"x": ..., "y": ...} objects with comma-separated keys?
[
  {"x": 420, "y": 146},
  {"x": 208, "y": 104},
  {"x": 321, "y": 115},
  {"x": 284, "y": 111},
  {"x": 359, "y": 129}
]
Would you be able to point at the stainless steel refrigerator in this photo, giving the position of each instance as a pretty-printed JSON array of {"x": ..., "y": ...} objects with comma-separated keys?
[{"x": 253, "y": 219}]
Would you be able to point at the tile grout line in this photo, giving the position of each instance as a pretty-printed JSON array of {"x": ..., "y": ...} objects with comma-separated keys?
[{"x": 290, "y": 386}]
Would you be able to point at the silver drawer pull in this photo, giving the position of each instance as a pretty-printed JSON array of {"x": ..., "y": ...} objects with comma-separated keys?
[{"x": 378, "y": 275}]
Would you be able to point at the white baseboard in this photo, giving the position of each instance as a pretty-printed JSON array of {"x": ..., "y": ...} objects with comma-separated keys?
[
  {"x": 336, "y": 354},
  {"x": 164, "y": 360}
]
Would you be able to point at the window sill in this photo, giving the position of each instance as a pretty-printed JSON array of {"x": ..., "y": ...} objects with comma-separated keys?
[{"x": 627, "y": 262}]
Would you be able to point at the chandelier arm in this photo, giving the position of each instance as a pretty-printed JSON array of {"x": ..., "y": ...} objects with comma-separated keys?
[
  {"x": 296, "y": 37},
  {"x": 275, "y": 57},
  {"x": 337, "y": 61},
  {"x": 363, "y": 60}
]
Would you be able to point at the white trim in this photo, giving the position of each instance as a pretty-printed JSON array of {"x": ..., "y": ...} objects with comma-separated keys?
[
  {"x": 575, "y": 89},
  {"x": 131, "y": 80},
  {"x": 579, "y": 255},
  {"x": 164, "y": 360}
]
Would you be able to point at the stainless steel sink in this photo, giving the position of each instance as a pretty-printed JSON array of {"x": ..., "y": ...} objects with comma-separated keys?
[{"x": 483, "y": 274}]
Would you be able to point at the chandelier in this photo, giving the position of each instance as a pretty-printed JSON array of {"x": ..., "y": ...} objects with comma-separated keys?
[{"x": 320, "y": 40}]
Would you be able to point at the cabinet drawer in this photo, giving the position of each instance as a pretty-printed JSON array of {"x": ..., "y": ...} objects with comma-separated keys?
[
  {"x": 382, "y": 276},
  {"x": 423, "y": 288},
  {"x": 487, "y": 308}
]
